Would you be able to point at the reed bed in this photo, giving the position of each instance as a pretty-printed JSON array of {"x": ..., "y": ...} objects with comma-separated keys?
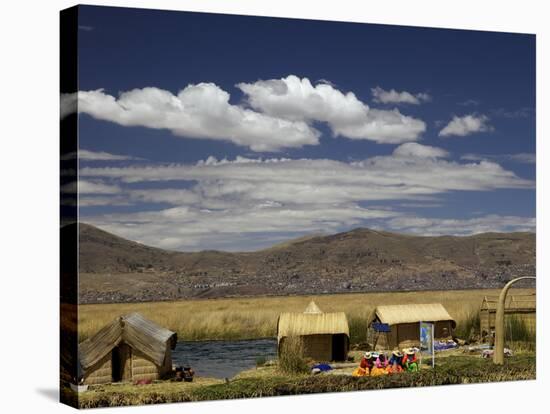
[{"x": 247, "y": 318}]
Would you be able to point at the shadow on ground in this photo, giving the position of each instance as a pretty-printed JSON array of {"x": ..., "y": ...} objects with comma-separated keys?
[{"x": 49, "y": 393}]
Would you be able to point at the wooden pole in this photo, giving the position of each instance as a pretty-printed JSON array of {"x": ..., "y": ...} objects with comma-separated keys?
[{"x": 498, "y": 356}]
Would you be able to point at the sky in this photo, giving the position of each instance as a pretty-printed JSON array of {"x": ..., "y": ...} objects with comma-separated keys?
[{"x": 204, "y": 131}]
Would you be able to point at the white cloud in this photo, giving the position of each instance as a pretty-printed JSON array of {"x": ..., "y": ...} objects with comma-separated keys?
[
  {"x": 522, "y": 157},
  {"x": 412, "y": 149},
  {"x": 282, "y": 113},
  {"x": 437, "y": 226},
  {"x": 102, "y": 156},
  {"x": 466, "y": 125},
  {"x": 90, "y": 187},
  {"x": 189, "y": 228},
  {"x": 199, "y": 111},
  {"x": 412, "y": 170},
  {"x": 244, "y": 200},
  {"x": 97, "y": 156},
  {"x": 175, "y": 196},
  {"x": 394, "y": 97},
  {"x": 94, "y": 201},
  {"x": 297, "y": 99}
]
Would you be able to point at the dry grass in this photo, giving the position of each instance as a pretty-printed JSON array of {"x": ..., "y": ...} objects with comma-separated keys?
[{"x": 245, "y": 318}]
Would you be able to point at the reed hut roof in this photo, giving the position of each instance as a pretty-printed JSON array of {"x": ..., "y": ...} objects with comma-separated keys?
[
  {"x": 312, "y": 322},
  {"x": 411, "y": 313},
  {"x": 312, "y": 308},
  {"x": 133, "y": 329},
  {"x": 519, "y": 303}
]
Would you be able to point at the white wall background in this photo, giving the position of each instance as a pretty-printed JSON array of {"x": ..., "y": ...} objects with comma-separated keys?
[{"x": 29, "y": 208}]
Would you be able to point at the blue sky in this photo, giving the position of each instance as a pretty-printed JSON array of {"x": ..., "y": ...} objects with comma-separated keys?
[{"x": 292, "y": 127}]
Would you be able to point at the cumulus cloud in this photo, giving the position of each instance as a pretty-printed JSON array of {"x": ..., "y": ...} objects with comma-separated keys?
[
  {"x": 297, "y": 99},
  {"x": 279, "y": 115},
  {"x": 483, "y": 224},
  {"x": 394, "y": 97},
  {"x": 199, "y": 111},
  {"x": 466, "y": 125}
]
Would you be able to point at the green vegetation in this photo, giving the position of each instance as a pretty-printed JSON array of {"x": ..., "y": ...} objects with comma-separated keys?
[
  {"x": 468, "y": 325},
  {"x": 358, "y": 326},
  {"x": 269, "y": 381},
  {"x": 518, "y": 335},
  {"x": 518, "y": 331},
  {"x": 260, "y": 361}
]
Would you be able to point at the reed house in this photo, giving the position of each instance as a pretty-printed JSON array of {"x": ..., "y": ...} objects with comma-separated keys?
[
  {"x": 130, "y": 348},
  {"x": 404, "y": 324},
  {"x": 522, "y": 308},
  {"x": 325, "y": 336}
]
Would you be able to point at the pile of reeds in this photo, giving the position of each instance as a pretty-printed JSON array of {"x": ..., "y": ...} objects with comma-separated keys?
[{"x": 291, "y": 356}]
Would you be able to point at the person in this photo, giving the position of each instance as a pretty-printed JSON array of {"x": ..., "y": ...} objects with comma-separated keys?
[
  {"x": 365, "y": 366},
  {"x": 410, "y": 362},
  {"x": 380, "y": 365},
  {"x": 395, "y": 362}
]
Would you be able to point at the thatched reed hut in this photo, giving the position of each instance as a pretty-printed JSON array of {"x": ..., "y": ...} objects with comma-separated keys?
[
  {"x": 520, "y": 307},
  {"x": 130, "y": 348},
  {"x": 325, "y": 336},
  {"x": 404, "y": 322}
]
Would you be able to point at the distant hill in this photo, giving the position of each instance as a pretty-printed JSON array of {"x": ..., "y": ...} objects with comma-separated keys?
[{"x": 115, "y": 269}]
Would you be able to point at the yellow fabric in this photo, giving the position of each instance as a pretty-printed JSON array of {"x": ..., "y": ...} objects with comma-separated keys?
[
  {"x": 360, "y": 372},
  {"x": 378, "y": 371}
]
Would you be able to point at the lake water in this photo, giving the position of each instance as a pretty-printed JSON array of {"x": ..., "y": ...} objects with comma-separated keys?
[{"x": 223, "y": 359}]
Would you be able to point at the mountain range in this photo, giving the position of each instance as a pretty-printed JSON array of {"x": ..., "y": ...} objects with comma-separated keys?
[{"x": 113, "y": 269}]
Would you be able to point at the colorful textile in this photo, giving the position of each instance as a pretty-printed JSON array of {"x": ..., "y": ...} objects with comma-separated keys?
[
  {"x": 443, "y": 345},
  {"x": 378, "y": 371},
  {"x": 412, "y": 366},
  {"x": 395, "y": 369},
  {"x": 322, "y": 367}
]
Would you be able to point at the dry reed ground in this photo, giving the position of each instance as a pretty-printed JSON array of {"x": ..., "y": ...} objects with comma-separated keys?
[{"x": 246, "y": 318}]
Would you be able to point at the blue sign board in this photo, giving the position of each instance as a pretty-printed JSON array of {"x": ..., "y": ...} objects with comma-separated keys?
[
  {"x": 427, "y": 340},
  {"x": 381, "y": 327}
]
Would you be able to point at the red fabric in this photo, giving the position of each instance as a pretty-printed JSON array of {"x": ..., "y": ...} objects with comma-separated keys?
[
  {"x": 409, "y": 359},
  {"x": 366, "y": 363}
]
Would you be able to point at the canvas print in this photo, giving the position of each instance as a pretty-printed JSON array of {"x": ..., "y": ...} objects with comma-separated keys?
[{"x": 257, "y": 206}]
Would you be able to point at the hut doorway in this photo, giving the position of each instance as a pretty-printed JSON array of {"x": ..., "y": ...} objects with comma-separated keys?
[
  {"x": 339, "y": 347},
  {"x": 121, "y": 363}
]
